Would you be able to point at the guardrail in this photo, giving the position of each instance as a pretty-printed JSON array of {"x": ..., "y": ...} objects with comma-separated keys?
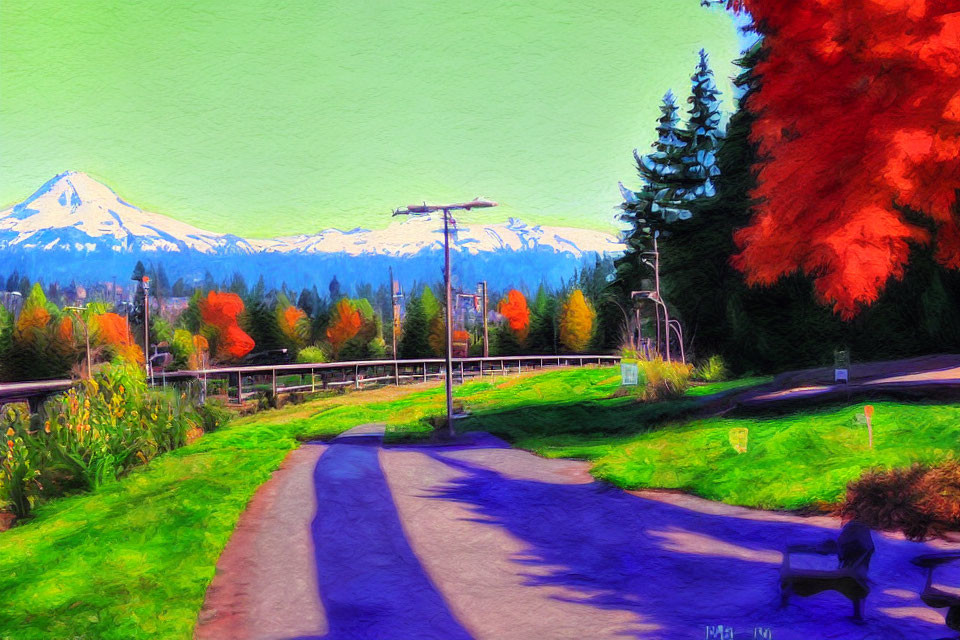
[
  {"x": 240, "y": 382},
  {"x": 33, "y": 393},
  {"x": 312, "y": 377}
]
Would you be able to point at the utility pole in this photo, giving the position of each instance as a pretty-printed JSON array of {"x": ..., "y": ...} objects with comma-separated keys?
[
  {"x": 393, "y": 312},
  {"x": 486, "y": 336},
  {"x": 422, "y": 209},
  {"x": 146, "y": 324}
]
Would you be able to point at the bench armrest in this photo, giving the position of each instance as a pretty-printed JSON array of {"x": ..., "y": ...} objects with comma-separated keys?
[
  {"x": 931, "y": 560},
  {"x": 825, "y": 548}
]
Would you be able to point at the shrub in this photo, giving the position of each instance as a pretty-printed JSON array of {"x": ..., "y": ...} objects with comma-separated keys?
[
  {"x": 312, "y": 354},
  {"x": 713, "y": 370},
  {"x": 212, "y": 415},
  {"x": 920, "y": 501},
  {"x": 20, "y": 465},
  {"x": 661, "y": 380}
]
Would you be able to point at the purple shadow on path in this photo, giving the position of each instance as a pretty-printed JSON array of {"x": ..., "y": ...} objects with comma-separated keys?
[{"x": 371, "y": 583}]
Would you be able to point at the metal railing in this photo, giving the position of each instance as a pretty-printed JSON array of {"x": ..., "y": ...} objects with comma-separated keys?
[
  {"x": 240, "y": 382},
  {"x": 245, "y": 381}
]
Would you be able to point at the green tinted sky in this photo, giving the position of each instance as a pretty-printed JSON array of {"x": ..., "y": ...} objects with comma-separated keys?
[{"x": 267, "y": 117}]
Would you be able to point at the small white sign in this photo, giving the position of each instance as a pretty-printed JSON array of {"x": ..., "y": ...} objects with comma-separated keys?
[
  {"x": 840, "y": 375},
  {"x": 629, "y": 374}
]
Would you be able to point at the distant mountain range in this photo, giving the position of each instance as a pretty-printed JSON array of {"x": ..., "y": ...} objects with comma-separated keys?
[{"x": 76, "y": 228}]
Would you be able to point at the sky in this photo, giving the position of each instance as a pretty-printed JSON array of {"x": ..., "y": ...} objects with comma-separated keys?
[{"x": 275, "y": 117}]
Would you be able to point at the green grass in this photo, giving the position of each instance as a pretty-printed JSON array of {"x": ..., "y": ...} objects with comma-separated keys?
[
  {"x": 133, "y": 559},
  {"x": 710, "y": 388},
  {"x": 791, "y": 461}
]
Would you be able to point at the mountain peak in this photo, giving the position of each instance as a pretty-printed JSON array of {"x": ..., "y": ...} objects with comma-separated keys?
[{"x": 77, "y": 213}]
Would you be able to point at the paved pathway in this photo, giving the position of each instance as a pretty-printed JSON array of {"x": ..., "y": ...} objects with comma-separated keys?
[
  {"x": 923, "y": 378},
  {"x": 354, "y": 540}
]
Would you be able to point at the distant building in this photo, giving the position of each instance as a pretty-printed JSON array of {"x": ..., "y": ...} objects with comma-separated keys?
[{"x": 12, "y": 301}]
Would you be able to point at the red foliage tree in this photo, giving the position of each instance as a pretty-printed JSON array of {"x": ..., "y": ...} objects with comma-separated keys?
[
  {"x": 220, "y": 310},
  {"x": 514, "y": 308},
  {"x": 858, "y": 119},
  {"x": 113, "y": 331}
]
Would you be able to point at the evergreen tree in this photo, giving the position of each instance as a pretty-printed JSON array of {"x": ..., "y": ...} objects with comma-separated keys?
[
  {"x": 414, "y": 343},
  {"x": 659, "y": 202},
  {"x": 703, "y": 134},
  {"x": 543, "y": 323},
  {"x": 180, "y": 289},
  {"x": 504, "y": 341},
  {"x": 136, "y": 313},
  {"x": 334, "y": 288},
  {"x": 698, "y": 279},
  {"x": 13, "y": 281},
  {"x": 209, "y": 284},
  {"x": 259, "y": 291},
  {"x": 259, "y": 321},
  {"x": 238, "y": 285},
  {"x": 306, "y": 302},
  {"x": 431, "y": 306}
]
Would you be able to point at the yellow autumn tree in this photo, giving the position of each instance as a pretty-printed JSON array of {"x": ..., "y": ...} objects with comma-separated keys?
[{"x": 576, "y": 322}]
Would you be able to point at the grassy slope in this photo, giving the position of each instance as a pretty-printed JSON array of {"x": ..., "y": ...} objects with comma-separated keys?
[{"x": 133, "y": 560}]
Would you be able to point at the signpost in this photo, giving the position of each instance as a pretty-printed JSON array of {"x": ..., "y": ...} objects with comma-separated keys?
[
  {"x": 738, "y": 439},
  {"x": 629, "y": 374},
  {"x": 841, "y": 366}
]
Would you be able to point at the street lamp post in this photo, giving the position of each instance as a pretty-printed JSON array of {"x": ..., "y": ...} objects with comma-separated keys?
[
  {"x": 659, "y": 305},
  {"x": 423, "y": 209}
]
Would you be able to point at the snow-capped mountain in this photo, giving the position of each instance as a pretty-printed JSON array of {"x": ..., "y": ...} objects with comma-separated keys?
[
  {"x": 74, "y": 216},
  {"x": 73, "y": 212}
]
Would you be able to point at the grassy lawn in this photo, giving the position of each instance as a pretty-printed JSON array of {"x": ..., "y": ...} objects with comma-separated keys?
[
  {"x": 133, "y": 559},
  {"x": 727, "y": 385}
]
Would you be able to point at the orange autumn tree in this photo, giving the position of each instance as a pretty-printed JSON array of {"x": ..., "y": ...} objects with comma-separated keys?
[
  {"x": 514, "y": 308},
  {"x": 34, "y": 317},
  {"x": 858, "y": 131},
  {"x": 345, "y": 323},
  {"x": 112, "y": 332},
  {"x": 293, "y": 324},
  {"x": 576, "y": 322},
  {"x": 220, "y": 310}
]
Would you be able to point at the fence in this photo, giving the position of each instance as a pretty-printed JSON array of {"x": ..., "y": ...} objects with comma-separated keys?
[{"x": 238, "y": 383}]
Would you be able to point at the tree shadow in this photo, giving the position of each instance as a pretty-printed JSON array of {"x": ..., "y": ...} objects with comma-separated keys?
[
  {"x": 681, "y": 568},
  {"x": 371, "y": 583}
]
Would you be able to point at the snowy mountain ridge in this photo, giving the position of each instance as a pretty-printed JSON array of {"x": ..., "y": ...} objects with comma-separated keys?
[{"x": 75, "y": 213}]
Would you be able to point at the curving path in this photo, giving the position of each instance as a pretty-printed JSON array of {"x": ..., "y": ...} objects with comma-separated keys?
[{"x": 355, "y": 540}]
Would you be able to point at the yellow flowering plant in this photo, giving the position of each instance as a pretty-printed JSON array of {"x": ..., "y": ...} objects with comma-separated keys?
[{"x": 19, "y": 466}]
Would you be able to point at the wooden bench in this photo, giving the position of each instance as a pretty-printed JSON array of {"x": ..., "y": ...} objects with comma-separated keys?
[
  {"x": 938, "y": 598},
  {"x": 853, "y": 550}
]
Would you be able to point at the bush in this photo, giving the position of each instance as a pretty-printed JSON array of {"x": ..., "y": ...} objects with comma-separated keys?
[
  {"x": 713, "y": 370},
  {"x": 661, "y": 380},
  {"x": 95, "y": 432},
  {"x": 212, "y": 415},
  {"x": 110, "y": 423},
  {"x": 312, "y": 354},
  {"x": 20, "y": 466},
  {"x": 920, "y": 501}
]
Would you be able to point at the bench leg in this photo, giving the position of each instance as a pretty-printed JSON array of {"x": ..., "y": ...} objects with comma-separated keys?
[
  {"x": 784, "y": 595},
  {"x": 858, "y": 609}
]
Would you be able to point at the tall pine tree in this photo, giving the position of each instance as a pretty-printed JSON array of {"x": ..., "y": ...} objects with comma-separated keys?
[{"x": 703, "y": 134}]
